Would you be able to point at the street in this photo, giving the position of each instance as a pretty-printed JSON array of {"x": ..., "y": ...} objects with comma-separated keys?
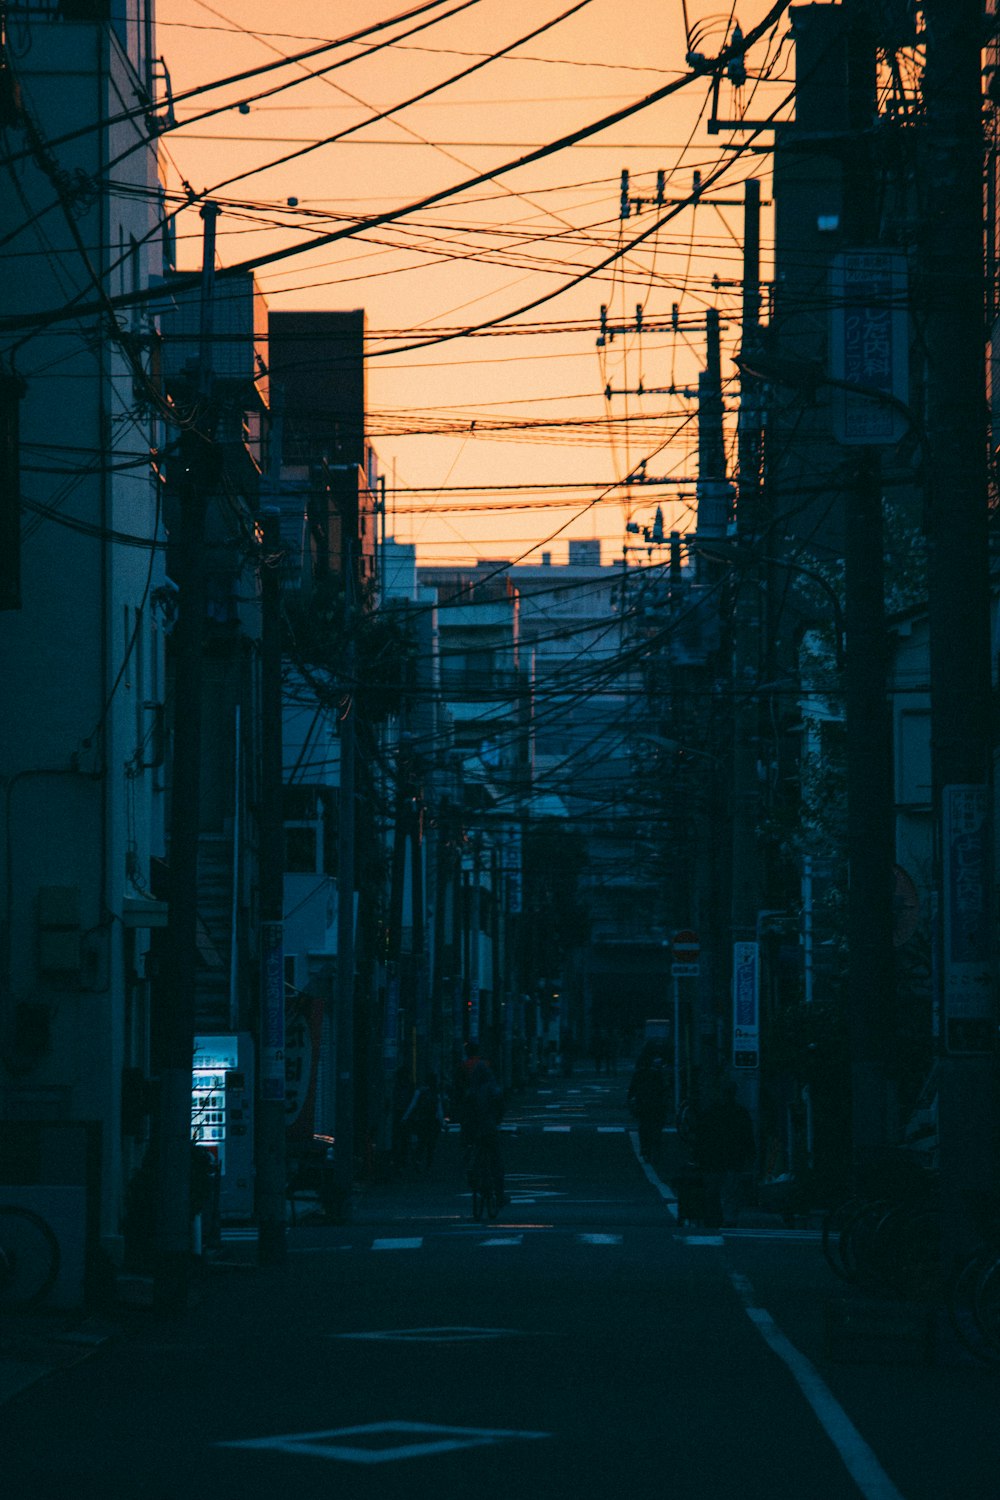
[{"x": 580, "y": 1346}]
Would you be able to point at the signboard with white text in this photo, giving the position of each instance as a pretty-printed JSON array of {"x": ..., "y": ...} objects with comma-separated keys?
[
  {"x": 869, "y": 346},
  {"x": 746, "y": 1005}
]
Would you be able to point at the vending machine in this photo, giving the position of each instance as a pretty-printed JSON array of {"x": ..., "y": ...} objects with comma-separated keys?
[{"x": 222, "y": 1116}]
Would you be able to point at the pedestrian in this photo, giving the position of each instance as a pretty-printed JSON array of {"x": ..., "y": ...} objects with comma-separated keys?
[
  {"x": 601, "y": 1049},
  {"x": 402, "y": 1093},
  {"x": 647, "y": 1098},
  {"x": 724, "y": 1149},
  {"x": 425, "y": 1119},
  {"x": 481, "y": 1122},
  {"x": 463, "y": 1080}
]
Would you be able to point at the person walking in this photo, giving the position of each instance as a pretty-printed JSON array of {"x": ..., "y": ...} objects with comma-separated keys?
[
  {"x": 647, "y": 1098},
  {"x": 402, "y": 1093},
  {"x": 425, "y": 1119},
  {"x": 481, "y": 1122},
  {"x": 724, "y": 1149}
]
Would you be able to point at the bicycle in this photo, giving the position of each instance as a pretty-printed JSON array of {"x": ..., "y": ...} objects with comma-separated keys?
[
  {"x": 29, "y": 1258},
  {"x": 484, "y": 1179},
  {"x": 974, "y": 1290}
]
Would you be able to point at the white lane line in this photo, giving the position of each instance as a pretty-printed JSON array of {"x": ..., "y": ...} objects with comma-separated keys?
[
  {"x": 701, "y": 1239},
  {"x": 317, "y": 1249},
  {"x": 510, "y": 1239},
  {"x": 611, "y": 1130},
  {"x": 859, "y": 1460},
  {"x": 793, "y": 1236},
  {"x": 600, "y": 1239},
  {"x": 664, "y": 1190},
  {"x": 401, "y": 1244},
  {"x": 556, "y": 1129}
]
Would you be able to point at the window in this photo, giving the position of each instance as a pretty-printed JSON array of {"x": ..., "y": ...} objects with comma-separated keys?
[{"x": 310, "y": 830}]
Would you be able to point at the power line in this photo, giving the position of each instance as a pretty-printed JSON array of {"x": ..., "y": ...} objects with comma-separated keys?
[{"x": 190, "y": 279}]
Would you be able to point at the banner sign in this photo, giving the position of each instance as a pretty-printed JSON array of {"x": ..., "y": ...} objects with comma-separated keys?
[
  {"x": 302, "y": 1046},
  {"x": 746, "y": 1005},
  {"x": 272, "y": 1029},
  {"x": 390, "y": 1038},
  {"x": 869, "y": 346}
]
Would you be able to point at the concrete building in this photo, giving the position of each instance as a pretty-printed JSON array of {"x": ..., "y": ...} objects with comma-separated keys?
[{"x": 85, "y": 616}]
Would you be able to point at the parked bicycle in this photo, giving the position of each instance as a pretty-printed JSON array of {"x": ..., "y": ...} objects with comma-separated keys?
[
  {"x": 29, "y": 1258},
  {"x": 974, "y": 1290},
  {"x": 887, "y": 1239}
]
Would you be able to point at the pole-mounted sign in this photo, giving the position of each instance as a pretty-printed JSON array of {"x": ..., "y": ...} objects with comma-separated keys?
[
  {"x": 686, "y": 949},
  {"x": 746, "y": 1005},
  {"x": 869, "y": 346}
]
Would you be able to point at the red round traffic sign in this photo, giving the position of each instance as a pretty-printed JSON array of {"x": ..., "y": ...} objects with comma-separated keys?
[{"x": 686, "y": 945}]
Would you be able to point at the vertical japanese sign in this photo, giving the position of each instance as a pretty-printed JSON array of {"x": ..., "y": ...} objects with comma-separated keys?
[
  {"x": 457, "y": 1018},
  {"x": 966, "y": 961},
  {"x": 272, "y": 1017},
  {"x": 390, "y": 1037},
  {"x": 511, "y": 856},
  {"x": 303, "y": 1028},
  {"x": 869, "y": 346},
  {"x": 746, "y": 1005}
]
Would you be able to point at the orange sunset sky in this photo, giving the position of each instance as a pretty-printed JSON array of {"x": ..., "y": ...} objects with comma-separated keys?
[{"x": 522, "y": 409}]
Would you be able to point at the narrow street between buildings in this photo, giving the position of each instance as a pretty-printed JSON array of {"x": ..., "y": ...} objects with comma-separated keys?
[{"x": 582, "y": 1344}]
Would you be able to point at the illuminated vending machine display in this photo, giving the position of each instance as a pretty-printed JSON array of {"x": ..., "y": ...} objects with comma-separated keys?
[{"x": 222, "y": 1115}]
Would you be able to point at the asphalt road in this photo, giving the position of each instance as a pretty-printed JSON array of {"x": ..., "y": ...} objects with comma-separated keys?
[{"x": 582, "y": 1346}]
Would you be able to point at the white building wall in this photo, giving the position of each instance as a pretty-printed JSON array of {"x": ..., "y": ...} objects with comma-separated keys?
[{"x": 83, "y": 657}]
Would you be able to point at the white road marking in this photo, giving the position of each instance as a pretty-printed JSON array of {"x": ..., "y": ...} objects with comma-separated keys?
[
  {"x": 701, "y": 1239},
  {"x": 859, "y": 1460},
  {"x": 556, "y": 1129},
  {"x": 663, "y": 1188},
  {"x": 401, "y": 1244},
  {"x": 430, "y": 1439},
  {"x": 611, "y": 1130},
  {"x": 510, "y": 1239},
  {"x": 446, "y": 1335},
  {"x": 600, "y": 1239},
  {"x": 317, "y": 1249}
]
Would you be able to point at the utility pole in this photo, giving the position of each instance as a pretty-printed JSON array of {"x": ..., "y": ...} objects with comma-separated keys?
[
  {"x": 712, "y": 488},
  {"x": 180, "y": 952},
  {"x": 270, "y": 1113},
  {"x": 870, "y": 799},
  {"x": 748, "y": 878},
  {"x": 953, "y": 304},
  {"x": 344, "y": 1120}
]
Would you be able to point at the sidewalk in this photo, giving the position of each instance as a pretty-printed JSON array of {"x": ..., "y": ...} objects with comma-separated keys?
[{"x": 34, "y": 1345}]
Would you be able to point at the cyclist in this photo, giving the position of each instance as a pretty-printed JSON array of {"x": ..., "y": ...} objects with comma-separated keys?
[{"x": 483, "y": 1113}]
